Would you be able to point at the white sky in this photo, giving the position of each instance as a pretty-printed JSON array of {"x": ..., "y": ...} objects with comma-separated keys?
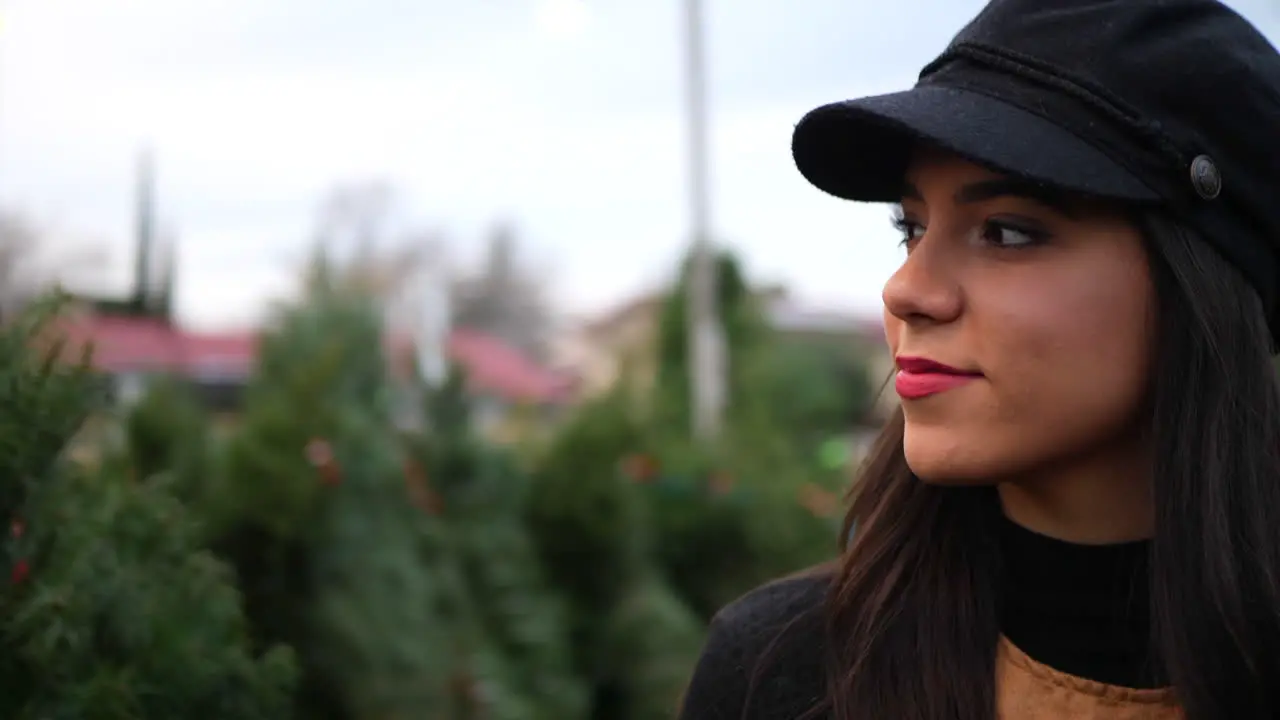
[{"x": 564, "y": 116}]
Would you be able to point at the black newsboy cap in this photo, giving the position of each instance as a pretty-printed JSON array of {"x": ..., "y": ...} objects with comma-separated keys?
[{"x": 1168, "y": 102}]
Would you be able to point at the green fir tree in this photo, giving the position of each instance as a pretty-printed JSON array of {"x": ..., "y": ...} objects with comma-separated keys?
[
  {"x": 111, "y": 609},
  {"x": 650, "y": 533},
  {"x": 634, "y": 637},
  {"x": 518, "y": 650},
  {"x": 314, "y": 513}
]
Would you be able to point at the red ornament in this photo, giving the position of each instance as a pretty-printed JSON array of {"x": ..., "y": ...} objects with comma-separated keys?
[
  {"x": 821, "y": 503},
  {"x": 640, "y": 468},
  {"x": 721, "y": 483},
  {"x": 421, "y": 494},
  {"x": 466, "y": 688},
  {"x": 21, "y": 570},
  {"x": 330, "y": 475},
  {"x": 320, "y": 454},
  {"x": 17, "y": 528}
]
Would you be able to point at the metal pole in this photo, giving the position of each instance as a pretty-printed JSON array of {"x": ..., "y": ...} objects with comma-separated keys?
[
  {"x": 705, "y": 339},
  {"x": 4, "y": 17},
  {"x": 435, "y": 324},
  {"x": 144, "y": 229}
]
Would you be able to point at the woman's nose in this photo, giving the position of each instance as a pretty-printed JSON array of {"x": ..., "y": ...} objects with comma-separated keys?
[{"x": 925, "y": 288}]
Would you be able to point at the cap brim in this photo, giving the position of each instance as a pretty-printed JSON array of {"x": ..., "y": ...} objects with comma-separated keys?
[{"x": 860, "y": 149}]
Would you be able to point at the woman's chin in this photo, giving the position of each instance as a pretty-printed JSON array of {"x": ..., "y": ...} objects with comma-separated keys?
[
  {"x": 949, "y": 477},
  {"x": 940, "y": 458}
]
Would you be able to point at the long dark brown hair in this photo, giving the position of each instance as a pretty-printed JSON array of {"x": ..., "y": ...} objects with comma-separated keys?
[{"x": 914, "y": 606}]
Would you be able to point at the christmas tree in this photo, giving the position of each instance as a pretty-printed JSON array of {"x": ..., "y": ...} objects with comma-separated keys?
[
  {"x": 111, "y": 609},
  {"x": 747, "y": 338},
  {"x": 315, "y": 513},
  {"x": 633, "y": 636},
  {"x": 743, "y": 516},
  {"x": 515, "y": 628},
  {"x": 167, "y": 438},
  {"x": 650, "y": 533}
]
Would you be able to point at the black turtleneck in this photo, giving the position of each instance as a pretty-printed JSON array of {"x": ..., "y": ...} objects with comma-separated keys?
[{"x": 1080, "y": 609}]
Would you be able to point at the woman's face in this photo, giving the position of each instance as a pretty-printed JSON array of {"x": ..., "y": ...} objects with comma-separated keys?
[{"x": 1040, "y": 309}]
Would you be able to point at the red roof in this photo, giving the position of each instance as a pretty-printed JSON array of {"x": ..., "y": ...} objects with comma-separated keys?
[
  {"x": 126, "y": 344},
  {"x": 496, "y": 368}
]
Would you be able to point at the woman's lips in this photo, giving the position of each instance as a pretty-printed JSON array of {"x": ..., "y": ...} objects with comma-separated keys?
[
  {"x": 913, "y": 386},
  {"x": 921, "y": 377}
]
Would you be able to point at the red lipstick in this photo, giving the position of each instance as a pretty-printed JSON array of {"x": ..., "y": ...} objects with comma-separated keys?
[{"x": 921, "y": 377}]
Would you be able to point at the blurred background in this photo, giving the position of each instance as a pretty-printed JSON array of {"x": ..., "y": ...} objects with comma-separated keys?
[{"x": 488, "y": 348}]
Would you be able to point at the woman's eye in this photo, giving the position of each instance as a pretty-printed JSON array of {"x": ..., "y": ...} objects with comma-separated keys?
[
  {"x": 1006, "y": 235},
  {"x": 910, "y": 229}
]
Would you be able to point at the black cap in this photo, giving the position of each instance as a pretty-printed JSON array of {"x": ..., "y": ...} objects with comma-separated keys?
[{"x": 1169, "y": 102}]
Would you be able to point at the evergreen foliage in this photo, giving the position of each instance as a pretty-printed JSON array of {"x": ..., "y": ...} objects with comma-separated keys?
[
  {"x": 330, "y": 553},
  {"x": 650, "y": 533},
  {"x": 746, "y": 334},
  {"x": 111, "y": 610},
  {"x": 168, "y": 436},
  {"x": 397, "y": 564},
  {"x": 411, "y": 574},
  {"x": 513, "y": 622}
]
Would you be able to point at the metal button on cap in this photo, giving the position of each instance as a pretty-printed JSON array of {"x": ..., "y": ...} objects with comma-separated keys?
[{"x": 1205, "y": 177}]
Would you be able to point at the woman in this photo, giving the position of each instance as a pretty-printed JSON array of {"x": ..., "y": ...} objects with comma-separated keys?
[{"x": 1076, "y": 512}]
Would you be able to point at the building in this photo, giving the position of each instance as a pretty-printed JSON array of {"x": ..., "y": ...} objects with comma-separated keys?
[
  {"x": 133, "y": 351},
  {"x": 602, "y": 350},
  {"x": 136, "y": 339}
]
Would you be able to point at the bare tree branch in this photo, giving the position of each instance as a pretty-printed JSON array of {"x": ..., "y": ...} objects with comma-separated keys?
[
  {"x": 362, "y": 246},
  {"x": 506, "y": 298},
  {"x": 31, "y": 262},
  {"x": 365, "y": 248}
]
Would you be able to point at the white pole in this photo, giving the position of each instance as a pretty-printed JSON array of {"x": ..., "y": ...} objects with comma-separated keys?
[
  {"x": 705, "y": 339},
  {"x": 435, "y": 324},
  {"x": 4, "y": 22}
]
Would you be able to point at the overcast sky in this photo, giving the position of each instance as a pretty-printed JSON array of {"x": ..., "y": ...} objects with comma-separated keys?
[{"x": 563, "y": 116}]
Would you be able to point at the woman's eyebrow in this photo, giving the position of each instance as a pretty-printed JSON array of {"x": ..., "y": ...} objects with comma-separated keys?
[{"x": 984, "y": 190}]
